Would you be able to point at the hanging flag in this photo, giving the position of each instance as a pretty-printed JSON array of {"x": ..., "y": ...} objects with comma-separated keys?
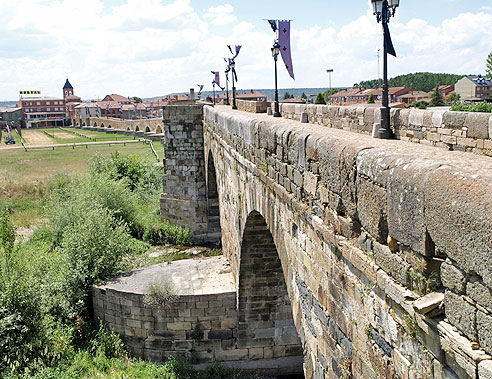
[
  {"x": 97, "y": 109},
  {"x": 107, "y": 107},
  {"x": 217, "y": 78},
  {"x": 201, "y": 87},
  {"x": 273, "y": 24},
  {"x": 238, "y": 48},
  {"x": 152, "y": 106},
  {"x": 388, "y": 44},
  {"x": 284, "y": 41},
  {"x": 121, "y": 108},
  {"x": 230, "y": 49}
]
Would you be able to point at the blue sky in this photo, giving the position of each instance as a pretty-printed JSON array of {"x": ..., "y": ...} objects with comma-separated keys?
[{"x": 154, "y": 47}]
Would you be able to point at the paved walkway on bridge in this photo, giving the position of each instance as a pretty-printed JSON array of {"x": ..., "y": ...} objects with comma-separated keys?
[{"x": 470, "y": 163}]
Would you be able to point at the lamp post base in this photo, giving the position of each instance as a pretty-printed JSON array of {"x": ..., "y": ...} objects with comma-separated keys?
[
  {"x": 234, "y": 107},
  {"x": 277, "y": 114},
  {"x": 382, "y": 133}
]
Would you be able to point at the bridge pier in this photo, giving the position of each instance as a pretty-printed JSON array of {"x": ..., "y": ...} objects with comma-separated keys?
[{"x": 184, "y": 197}]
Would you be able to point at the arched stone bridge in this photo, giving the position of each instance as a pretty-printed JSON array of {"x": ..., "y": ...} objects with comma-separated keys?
[
  {"x": 152, "y": 125},
  {"x": 378, "y": 252}
]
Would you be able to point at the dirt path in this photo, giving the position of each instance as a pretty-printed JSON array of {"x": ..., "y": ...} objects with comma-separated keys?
[
  {"x": 35, "y": 138},
  {"x": 64, "y": 135}
]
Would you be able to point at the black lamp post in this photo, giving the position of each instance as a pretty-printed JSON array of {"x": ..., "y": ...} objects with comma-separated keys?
[
  {"x": 383, "y": 10},
  {"x": 213, "y": 85},
  {"x": 227, "y": 85},
  {"x": 275, "y": 53},
  {"x": 232, "y": 66}
]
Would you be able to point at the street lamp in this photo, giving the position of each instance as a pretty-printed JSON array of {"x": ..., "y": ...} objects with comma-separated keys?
[
  {"x": 233, "y": 69},
  {"x": 384, "y": 10},
  {"x": 227, "y": 85},
  {"x": 329, "y": 71},
  {"x": 275, "y": 52}
]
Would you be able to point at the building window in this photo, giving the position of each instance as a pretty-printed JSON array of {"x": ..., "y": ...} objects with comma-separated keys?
[
  {"x": 48, "y": 109},
  {"x": 27, "y": 109},
  {"x": 38, "y": 103},
  {"x": 47, "y": 103},
  {"x": 39, "y": 109}
]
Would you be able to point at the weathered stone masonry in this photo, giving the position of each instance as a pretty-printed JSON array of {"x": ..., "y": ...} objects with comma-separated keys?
[
  {"x": 363, "y": 228},
  {"x": 459, "y": 131}
]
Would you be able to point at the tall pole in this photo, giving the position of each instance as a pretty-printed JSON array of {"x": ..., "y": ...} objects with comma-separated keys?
[
  {"x": 329, "y": 71},
  {"x": 385, "y": 131},
  {"x": 213, "y": 85},
  {"x": 277, "y": 110},
  {"x": 233, "y": 88},
  {"x": 227, "y": 88}
]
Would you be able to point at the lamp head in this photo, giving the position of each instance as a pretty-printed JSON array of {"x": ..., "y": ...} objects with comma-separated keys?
[{"x": 275, "y": 49}]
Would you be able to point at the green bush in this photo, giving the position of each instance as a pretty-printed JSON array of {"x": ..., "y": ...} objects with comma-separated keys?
[
  {"x": 320, "y": 99},
  {"x": 163, "y": 232},
  {"x": 422, "y": 104},
  {"x": 477, "y": 107}
]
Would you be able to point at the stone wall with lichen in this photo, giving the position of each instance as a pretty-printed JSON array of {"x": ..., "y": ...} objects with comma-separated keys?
[
  {"x": 458, "y": 131},
  {"x": 385, "y": 246}
]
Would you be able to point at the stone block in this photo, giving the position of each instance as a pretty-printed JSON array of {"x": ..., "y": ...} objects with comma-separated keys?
[
  {"x": 220, "y": 334},
  {"x": 484, "y": 330},
  {"x": 391, "y": 263},
  {"x": 453, "y": 278},
  {"x": 372, "y": 208},
  {"x": 428, "y": 302},
  {"x": 454, "y": 120},
  {"x": 310, "y": 183},
  {"x": 485, "y": 370},
  {"x": 452, "y": 200},
  {"x": 480, "y": 293},
  {"x": 461, "y": 314},
  {"x": 477, "y": 125},
  {"x": 402, "y": 364}
]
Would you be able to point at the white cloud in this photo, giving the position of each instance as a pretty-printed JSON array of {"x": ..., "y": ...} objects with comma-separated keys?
[
  {"x": 221, "y": 14},
  {"x": 154, "y": 47}
]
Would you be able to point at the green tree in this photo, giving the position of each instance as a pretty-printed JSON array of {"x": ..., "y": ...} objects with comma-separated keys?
[
  {"x": 488, "y": 69},
  {"x": 303, "y": 96},
  {"x": 453, "y": 98},
  {"x": 137, "y": 99},
  {"x": 288, "y": 95},
  {"x": 436, "y": 98},
  {"x": 320, "y": 99},
  {"x": 371, "y": 99}
]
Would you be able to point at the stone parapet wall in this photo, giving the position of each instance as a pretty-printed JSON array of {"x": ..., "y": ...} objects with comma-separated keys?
[
  {"x": 252, "y": 106},
  {"x": 366, "y": 228},
  {"x": 460, "y": 131}
]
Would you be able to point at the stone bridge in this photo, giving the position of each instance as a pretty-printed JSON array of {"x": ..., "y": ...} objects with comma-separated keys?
[
  {"x": 351, "y": 256},
  {"x": 151, "y": 125}
]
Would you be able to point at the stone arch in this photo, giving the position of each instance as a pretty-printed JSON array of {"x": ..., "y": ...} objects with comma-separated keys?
[
  {"x": 264, "y": 309},
  {"x": 109, "y": 126},
  {"x": 137, "y": 129},
  {"x": 147, "y": 129},
  {"x": 128, "y": 128},
  {"x": 102, "y": 125},
  {"x": 213, "y": 212},
  {"x": 83, "y": 124},
  {"x": 95, "y": 124},
  {"x": 158, "y": 130}
]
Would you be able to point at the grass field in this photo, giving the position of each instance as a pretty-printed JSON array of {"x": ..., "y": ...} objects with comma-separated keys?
[{"x": 25, "y": 176}]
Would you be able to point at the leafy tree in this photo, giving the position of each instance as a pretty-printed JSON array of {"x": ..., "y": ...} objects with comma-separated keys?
[
  {"x": 320, "y": 99},
  {"x": 371, "y": 99},
  {"x": 436, "y": 98},
  {"x": 287, "y": 95},
  {"x": 303, "y": 96},
  {"x": 488, "y": 69},
  {"x": 453, "y": 98},
  {"x": 419, "y": 81},
  {"x": 137, "y": 99}
]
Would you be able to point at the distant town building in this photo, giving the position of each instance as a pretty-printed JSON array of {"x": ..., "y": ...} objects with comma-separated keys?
[
  {"x": 118, "y": 99},
  {"x": 474, "y": 87},
  {"x": 361, "y": 95},
  {"x": 413, "y": 97},
  {"x": 10, "y": 114},
  {"x": 71, "y": 101},
  {"x": 42, "y": 111}
]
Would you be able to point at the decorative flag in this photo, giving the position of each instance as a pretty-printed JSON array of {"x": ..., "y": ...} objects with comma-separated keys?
[
  {"x": 217, "y": 77},
  {"x": 273, "y": 24},
  {"x": 284, "y": 41},
  {"x": 201, "y": 87},
  {"x": 136, "y": 108},
  {"x": 238, "y": 48},
  {"x": 121, "y": 108},
  {"x": 230, "y": 49},
  {"x": 388, "y": 44},
  {"x": 97, "y": 109},
  {"x": 107, "y": 107}
]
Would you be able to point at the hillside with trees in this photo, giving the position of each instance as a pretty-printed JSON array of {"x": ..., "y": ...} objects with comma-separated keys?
[{"x": 420, "y": 81}]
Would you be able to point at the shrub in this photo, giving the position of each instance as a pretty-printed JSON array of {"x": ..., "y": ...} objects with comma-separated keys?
[
  {"x": 320, "y": 99},
  {"x": 422, "y": 104},
  {"x": 371, "y": 99},
  {"x": 477, "y": 107},
  {"x": 108, "y": 343},
  {"x": 160, "y": 296},
  {"x": 163, "y": 232}
]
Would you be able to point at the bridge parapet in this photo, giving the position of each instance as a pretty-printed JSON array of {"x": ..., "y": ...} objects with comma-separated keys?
[
  {"x": 459, "y": 131},
  {"x": 365, "y": 229}
]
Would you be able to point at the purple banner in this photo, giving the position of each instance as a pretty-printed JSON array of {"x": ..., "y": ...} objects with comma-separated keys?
[
  {"x": 238, "y": 48},
  {"x": 284, "y": 41},
  {"x": 217, "y": 78}
]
